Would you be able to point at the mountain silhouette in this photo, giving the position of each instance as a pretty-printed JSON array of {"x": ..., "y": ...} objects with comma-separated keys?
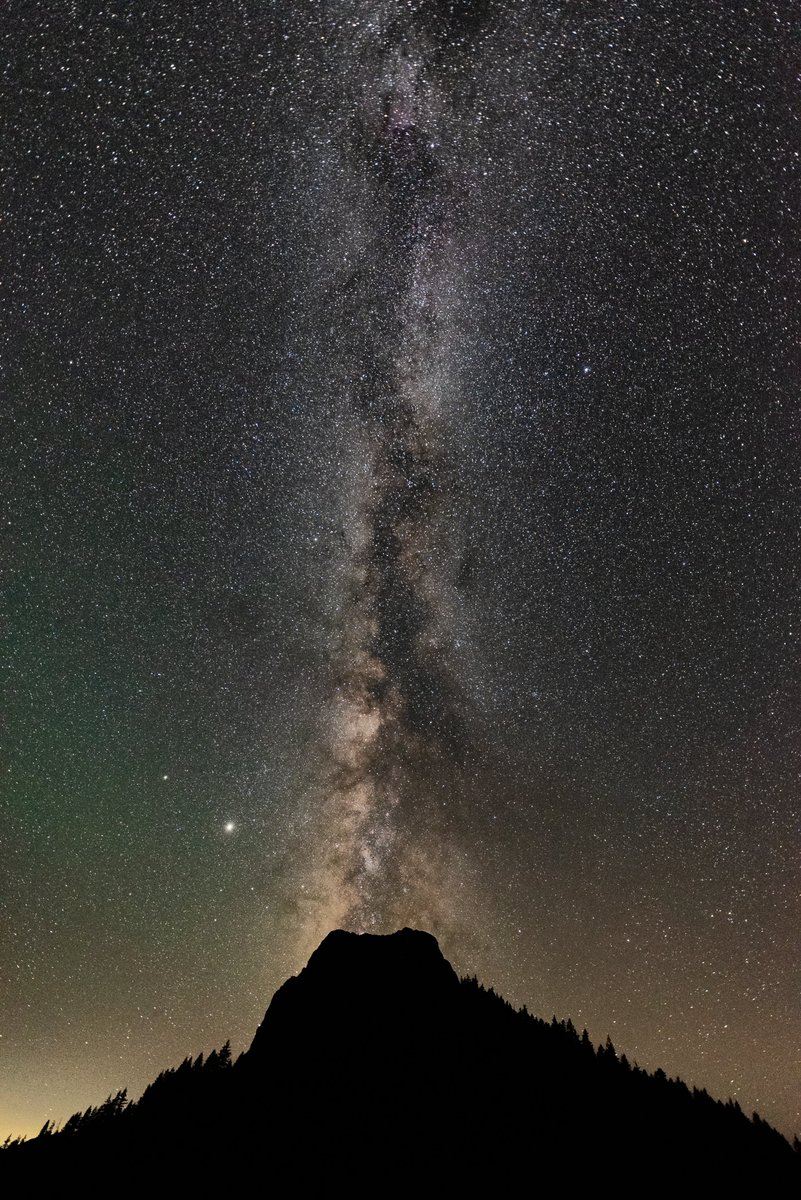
[
  {"x": 377, "y": 1069},
  {"x": 359, "y": 991}
]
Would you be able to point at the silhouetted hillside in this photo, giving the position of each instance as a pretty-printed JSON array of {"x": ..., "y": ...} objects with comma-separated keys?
[{"x": 377, "y": 1068}]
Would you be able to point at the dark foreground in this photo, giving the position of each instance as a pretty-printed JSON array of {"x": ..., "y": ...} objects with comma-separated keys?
[{"x": 378, "y": 1069}]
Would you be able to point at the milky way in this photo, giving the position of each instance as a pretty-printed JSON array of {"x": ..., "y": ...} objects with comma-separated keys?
[
  {"x": 402, "y": 521},
  {"x": 378, "y": 843}
]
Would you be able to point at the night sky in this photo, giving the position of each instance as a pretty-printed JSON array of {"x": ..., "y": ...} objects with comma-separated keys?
[{"x": 400, "y": 463}]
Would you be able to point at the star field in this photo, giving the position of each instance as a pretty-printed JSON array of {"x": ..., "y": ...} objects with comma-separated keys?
[{"x": 401, "y": 522}]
